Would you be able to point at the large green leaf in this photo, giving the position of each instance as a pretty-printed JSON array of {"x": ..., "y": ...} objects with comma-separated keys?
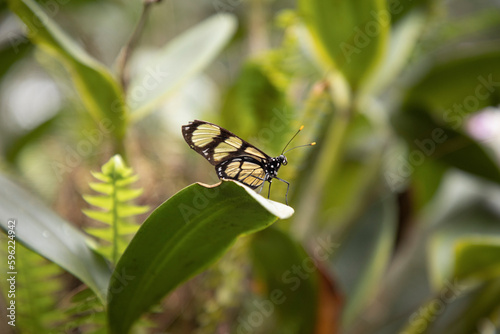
[
  {"x": 177, "y": 62},
  {"x": 16, "y": 145},
  {"x": 290, "y": 278},
  {"x": 403, "y": 38},
  {"x": 179, "y": 239},
  {"x": 477, "y": 257},
  {"x": 464, "y": 232},
  {"x": 430, "y": 139},
  {"x": 41, "y": 230},
  {"x": 426, "y": 182},
  {"x": 13, "y": 51},
  {"x": 347, "y": 159},
  {"x": 483, "y": 304},
  {"x": 349, "y": 36},
  {"x": 401, "y": 9},
  {"x": 454, "y": 88},
  {"x": 99, "y": 91},
  {"x": 360, "y": 269},
  {"x": 354, "y": 172}
]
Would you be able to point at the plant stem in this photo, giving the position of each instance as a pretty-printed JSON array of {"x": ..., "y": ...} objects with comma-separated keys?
[
  {"x": 119, "y": 148},
  {"x": 125, "y": 53},
  {"x": 115, "y": 218},
  {"x": 329, "y": 158},
  {"x": 258, "y": 38}
]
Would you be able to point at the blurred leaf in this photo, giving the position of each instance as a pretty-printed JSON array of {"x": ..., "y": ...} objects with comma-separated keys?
[
  {"x": 448, "y": 310},
  {"x": 332, "y": 148},
  {"x": 254, "y": 106},
  {"x": 403, "y": 38},
  {"x": 432, "y": 140},
  {"x": 357, "y": 146},
  {"x": 356, "y": 169},
  {"x": 13, "y": 51},
  {"x": 481, "y": 308},
  {"x": 317, "y": 116},
  {"x": 401, "y": 9},
  {"x": 17, "y": 145},
  {"x": 477, "y": 257},
  {"x": 38, "y": 283},
  {"x": 99, "y": 91},
  {"x": 459, "y": 30},
  {"x": 424, "y": 317},
  {"x": 41, "y": 230},
  {"x": 454, "y": 88},
  {"x": 356, "y": 42},
  {"x": 290, "y": 279},
  {"x": 360, "y": 269},
  {"x": 474, "y": 219},
  {"x": 426, "y": 182},
  {"x": 182, "y": 237},
  {"x": 87, "y": 310},
  {"x": 177, "y": 62}
]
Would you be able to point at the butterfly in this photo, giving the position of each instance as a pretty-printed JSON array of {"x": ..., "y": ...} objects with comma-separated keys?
[{"x": 234, "y": 158}]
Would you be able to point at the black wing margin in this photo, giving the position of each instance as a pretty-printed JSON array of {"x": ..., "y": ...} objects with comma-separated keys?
[{"x": 219, "y": 145}]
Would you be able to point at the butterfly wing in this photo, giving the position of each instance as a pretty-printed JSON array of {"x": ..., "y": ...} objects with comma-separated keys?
[
  {"x": 234, "y": 158},
  {"x": 217, "y": 144},
  {"x": 245, "y": 170}
]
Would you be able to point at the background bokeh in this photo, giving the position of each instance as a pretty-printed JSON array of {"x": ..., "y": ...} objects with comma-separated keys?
[{"x": 396, "y": 226}]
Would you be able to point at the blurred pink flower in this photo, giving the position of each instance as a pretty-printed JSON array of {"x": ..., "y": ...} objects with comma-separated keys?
[{"x": 484, "y": 126}]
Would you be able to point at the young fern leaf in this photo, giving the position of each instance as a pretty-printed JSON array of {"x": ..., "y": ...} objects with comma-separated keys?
[
  {"x": 37, "y": 284},
  {"x": 85, "y": 314},
  {"x": 115, "y": 209}
]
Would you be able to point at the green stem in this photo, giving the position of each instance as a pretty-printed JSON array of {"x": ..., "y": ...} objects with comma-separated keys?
[
  {"x": 257, "y": 27},
  {"x": 115, "y": 217},
  {"x": 125, "y": 53},
  {"x": 329, "y": 157},
  {"x": 119, "y": 148}
]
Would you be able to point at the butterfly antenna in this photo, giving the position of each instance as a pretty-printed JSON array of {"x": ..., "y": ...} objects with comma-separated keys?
[
  {"x": 293, "y": 148},
  {"x": 295, "y": 135},
  {"x": 300, "y": 129}
]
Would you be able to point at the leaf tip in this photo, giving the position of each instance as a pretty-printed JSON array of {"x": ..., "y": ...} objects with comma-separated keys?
[{"x": 280, "y": 210}]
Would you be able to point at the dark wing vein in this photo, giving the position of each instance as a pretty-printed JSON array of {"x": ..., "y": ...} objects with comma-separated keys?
[
  {"x": 218, "y": 145},
  {"x": 245, "y": 170}
]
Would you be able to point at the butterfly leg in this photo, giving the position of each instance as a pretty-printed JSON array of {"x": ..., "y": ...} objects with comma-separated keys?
[
  {"x": 269, "y": 191},
  {"x": 287, "y": 188}
]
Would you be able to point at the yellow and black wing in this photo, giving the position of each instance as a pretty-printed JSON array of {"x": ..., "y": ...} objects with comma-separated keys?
[
  {"x": 245, "y": 170},
  {"x": 234, "y": 158}
]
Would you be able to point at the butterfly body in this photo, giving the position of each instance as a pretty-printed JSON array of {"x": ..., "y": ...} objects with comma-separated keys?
[
  {"x": 273, "y": 166},
  {"x": 233, "y": 158}
]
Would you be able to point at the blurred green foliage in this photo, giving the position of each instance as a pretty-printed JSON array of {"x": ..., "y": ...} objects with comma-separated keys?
[{"x": 396, "y": 226}]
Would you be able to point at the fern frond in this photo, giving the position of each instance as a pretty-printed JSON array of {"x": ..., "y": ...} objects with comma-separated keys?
[
  {"x": 113, "y": 207},
  {"x": 103, "y": 188},
  {"x": 36, "y": 286},
  {"x": 85, "y": 314}
]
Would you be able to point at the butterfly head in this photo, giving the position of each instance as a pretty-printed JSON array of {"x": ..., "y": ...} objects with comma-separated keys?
[{"x": 282, "y": 160}]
